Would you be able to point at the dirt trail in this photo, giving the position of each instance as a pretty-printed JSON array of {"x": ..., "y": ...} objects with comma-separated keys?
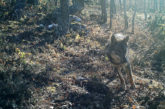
[
  {"x": 87, "y": 78},
  {"x": 75, "y": 73}
]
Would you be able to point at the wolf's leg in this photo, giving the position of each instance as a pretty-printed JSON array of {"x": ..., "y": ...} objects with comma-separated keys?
[
  {"x": 128, "y": 70},
  {"x": 118, "y": 69}
]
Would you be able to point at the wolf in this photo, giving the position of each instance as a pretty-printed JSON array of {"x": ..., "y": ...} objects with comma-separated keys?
[{"x": 117, "y": 52}]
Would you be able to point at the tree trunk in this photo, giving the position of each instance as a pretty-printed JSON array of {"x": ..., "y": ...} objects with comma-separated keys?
[
  {"x": 33, "y": 2},
  {"x": 149, "y": 5},
  {"x": 120, "y": 4},
  {"x": 18, "y": 8},
  {"x": 133, "y": 18},
  {"x": 104, "y": 11},
  {"x": 56, "y": 2},
  {"x": 114, "y": 6},
  {"x": 64, "y": 20},
  {"x": 82, "y": 3},
  {"x": 125, "y": 16},
  {"x": 130, "y": 3},
  {"x": 74, "y": 2},
  {"x": 155, "y": 5},
  {"x": 161, "y": 4},
  {"x": 78, "y": 3},
  {"x": 112, "y": 11},
  {"x": 77, "y": 7},
  {"x": 145, "y": 13},
  {"x": 111, "y": 18}
]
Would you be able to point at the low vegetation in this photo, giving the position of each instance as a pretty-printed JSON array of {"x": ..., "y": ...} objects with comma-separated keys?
[{"x": 53, "y": 57}]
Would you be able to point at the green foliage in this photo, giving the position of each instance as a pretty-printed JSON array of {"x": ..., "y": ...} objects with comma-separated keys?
[
  {"x": 33, "y": 2},
  {"x": 159, "y": 59},
  {"x": 6, "y": 7},
  {"x": 157, "y": 26},
  {"x": 12, "y": 9},
  {"x": 16, "y": 90}
]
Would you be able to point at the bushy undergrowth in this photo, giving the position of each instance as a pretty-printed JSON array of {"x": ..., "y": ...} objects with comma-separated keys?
[
  {"x": 16, "y": 90},
  {"x": 157, "y": 27},
  {"x": 13, "y": 9},
  {"x": 159, "y": 59}
]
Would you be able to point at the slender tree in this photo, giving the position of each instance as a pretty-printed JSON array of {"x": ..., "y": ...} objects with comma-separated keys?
[
  {"x": 161, "y": 3},
  {"x": 120, "y": 4},
  {"x": 145, "y": 13},
  {"x": 151, "y": 5},
  {"x": 112, "y": 11},
  {"x": 74, "y": 2},
  {"x": 133, "y": 18},
  {"x": 148, "y": 5},
  {"x": 64, "y": 18},
  {"x": 155, "y": 5},
  {"x": 104, "y": 11},
  {"x": 56, "y": 2},
  {"x": 82, "y": 3},
  {"x": 125, "y": 15},
  {"x": 130, "y": 3},
  {"x": 33, "y": 2},
  {"x": 78, "y": 3}
]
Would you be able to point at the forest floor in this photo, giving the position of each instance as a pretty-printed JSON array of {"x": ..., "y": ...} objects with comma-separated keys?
[{"x": 75, "y": 74}]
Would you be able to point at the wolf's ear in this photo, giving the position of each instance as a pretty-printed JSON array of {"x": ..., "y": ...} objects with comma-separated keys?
[
  {"x": 126, "y": 39},
  {"x": 113, "y": 39}
]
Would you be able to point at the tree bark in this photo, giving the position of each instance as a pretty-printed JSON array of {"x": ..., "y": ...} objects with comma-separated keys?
[
  {"x": 130, "y": 4},
  {"x": 104, "y": 11},
  {"x": 56, "y": 2},
  {"x": 112, "y": 11},
  {"x": 18, "y": 8},
  {"x": 125, "y": 16},
  {"x": 33, "y": 2},
  {"x": 77, "y": 7},
  {"x": 120, "y": 4},
  {"x": 155, "y": 5},
  {"x": 161, "y": 5},
  {"x": 149, "y": 5},
  {"x": 145, "y": 13},
  {"x": 133, "y": 18},
  {"x": 78, "y": 3},
  {"x": 64, "y": 20}
]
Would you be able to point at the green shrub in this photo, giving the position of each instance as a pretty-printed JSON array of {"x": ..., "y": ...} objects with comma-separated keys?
[{"x": 16, "y": 88}]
